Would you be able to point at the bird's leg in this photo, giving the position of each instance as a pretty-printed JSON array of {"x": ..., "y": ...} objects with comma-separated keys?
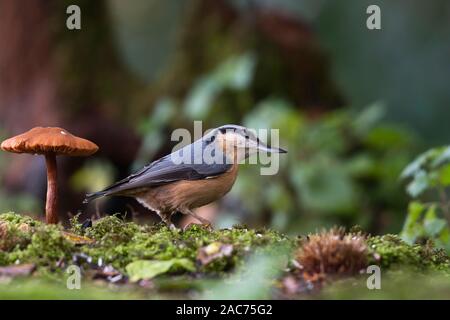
[
  {"x": 165, "y": 217},
  {"x": 196, "y": 216}
]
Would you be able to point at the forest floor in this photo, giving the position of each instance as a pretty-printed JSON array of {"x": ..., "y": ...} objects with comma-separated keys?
[{"x": 114, "y": 259}]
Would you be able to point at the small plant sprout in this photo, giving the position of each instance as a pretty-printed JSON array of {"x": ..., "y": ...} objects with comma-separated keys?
[
  {"x": 429, "y": 213},
  {"x": 50, "y": 142}
]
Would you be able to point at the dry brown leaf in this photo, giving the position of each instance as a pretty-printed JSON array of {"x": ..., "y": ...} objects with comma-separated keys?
[{"x": 213, "y": 251}]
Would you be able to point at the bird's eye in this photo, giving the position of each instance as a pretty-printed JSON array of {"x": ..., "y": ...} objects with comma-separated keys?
[{"x": 210, "y": 139}]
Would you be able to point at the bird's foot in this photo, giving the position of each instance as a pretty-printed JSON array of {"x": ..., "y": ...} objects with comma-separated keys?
[{"x": 169, "y": 223}]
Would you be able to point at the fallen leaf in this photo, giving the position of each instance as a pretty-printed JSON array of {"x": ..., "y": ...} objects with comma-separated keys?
[
  {"x": 148, "y": 269},
  {"x": 213, "y": 251},
  {"x": 76, "y": 239},
  {"x": 109, "y": 273},
  {"x": 17, "y": 270}
]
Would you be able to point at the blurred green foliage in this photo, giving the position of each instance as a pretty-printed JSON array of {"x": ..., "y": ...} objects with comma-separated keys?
[
  {"x": 399, "y": 284},
  {"x": 233, "y": 74},
  {"x": 254, "y": 280},
  {"x": 342, "y": 166},
  {"x": 429, "y": 215},
  {"x": 94, "y": 175},
  {"x": 21, "y": 202}
]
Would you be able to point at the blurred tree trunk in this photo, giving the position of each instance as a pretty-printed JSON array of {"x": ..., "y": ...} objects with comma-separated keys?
[
  {"x": 27, "y": 75},
  {"x": 52, "y": 76}
]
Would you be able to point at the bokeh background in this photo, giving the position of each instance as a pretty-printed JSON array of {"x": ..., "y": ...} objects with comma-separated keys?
[{"x": 353, "y": 105}]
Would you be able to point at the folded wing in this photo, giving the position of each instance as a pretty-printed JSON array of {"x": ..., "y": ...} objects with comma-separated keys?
[{"x": 162, "y": 171}]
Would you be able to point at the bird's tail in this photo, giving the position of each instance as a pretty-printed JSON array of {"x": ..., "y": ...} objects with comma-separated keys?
[{"x": 92, "y": 196}]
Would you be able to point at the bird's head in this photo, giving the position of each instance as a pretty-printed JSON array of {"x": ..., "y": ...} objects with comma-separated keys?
[{"x": 238, "y": 142}]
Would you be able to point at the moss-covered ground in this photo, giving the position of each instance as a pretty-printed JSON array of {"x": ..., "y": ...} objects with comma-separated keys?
[{"x": 119, "y": 259}]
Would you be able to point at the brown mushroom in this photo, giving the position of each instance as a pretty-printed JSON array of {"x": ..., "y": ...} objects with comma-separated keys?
[{"x": 50, "y": 142}]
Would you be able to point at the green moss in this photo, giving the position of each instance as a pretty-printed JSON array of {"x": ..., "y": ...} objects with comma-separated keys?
[
  {"x": 112, "y": 230},
  {"x": 119, "y": 243},
  {"x": 3, "y": 258},
  {"x": 14, "y": 232},
  {"x": 75, "y": 225},
  {"x": 28, "y": 240},
  {"x": 389, "y": 251},
  {"x": 17, "y": 219},
  {"x": 48, "y": 245}
]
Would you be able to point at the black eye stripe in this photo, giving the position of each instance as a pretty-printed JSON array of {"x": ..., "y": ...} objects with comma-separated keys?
[{"x": 210, "y": 140}]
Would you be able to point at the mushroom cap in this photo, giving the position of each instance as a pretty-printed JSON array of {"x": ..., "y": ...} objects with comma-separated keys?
[{"x": 44, "y": 140}]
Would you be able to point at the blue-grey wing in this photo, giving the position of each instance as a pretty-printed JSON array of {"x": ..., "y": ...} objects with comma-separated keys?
[{"x": 165, "y": 170}]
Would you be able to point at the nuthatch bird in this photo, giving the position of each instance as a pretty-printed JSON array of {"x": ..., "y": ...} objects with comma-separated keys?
[{"x": 191, "y": 177}]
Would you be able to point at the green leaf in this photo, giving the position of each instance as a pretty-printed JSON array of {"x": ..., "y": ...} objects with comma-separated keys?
[
  {"x": 444, "y": 237},
  {"x": 422, "y": 161},
  {"x": 419, "y": 184},
  {"x": 412, "y": 227},
  {"x": 276, "y": 113},
  {"x": 235, "y": 73},
  {"x": 412, "y": 168},
  {"x": 360, "y": 165},
  {"x": 161, "y": 115},
  {"x": 325, "y": 187},
  {"x": 148, "y": 269},
  {"x": 442, "y": 158},
  {"x": 434, "y": 227},
  {"x": 388, "y": 137},
  {"x": 432, "y": 224},
  {"x": 369, "y": 117},
  {"x": 415, "y": 210},
  {"x": 444, "y": 175},
  {"x": 200, "y": 99}
]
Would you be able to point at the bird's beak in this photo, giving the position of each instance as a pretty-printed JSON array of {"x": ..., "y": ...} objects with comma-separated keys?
[{"x": 262, "y": 147}]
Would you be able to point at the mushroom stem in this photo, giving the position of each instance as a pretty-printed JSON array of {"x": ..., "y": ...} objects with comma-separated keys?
[{"x": 51, "y": 206}]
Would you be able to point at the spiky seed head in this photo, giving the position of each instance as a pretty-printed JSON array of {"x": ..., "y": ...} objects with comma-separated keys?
[{"x": 332, "y": 253}]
